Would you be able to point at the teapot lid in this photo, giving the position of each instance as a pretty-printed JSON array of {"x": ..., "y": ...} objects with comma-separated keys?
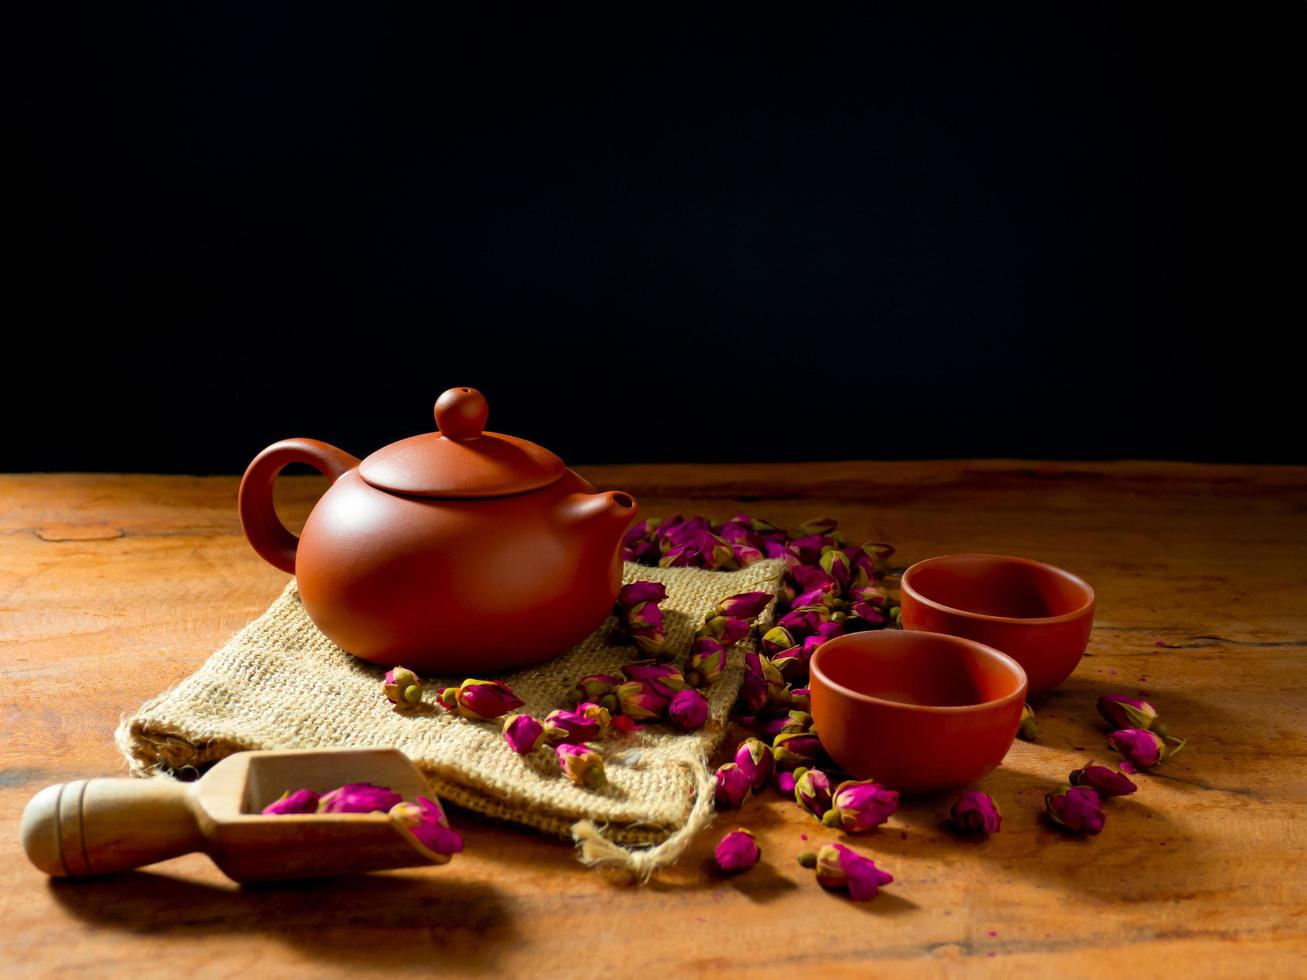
[{"x": 461, "y": 460}]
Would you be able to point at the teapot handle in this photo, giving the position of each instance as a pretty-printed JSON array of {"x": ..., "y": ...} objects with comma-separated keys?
[{"x": 262, "y": 527}]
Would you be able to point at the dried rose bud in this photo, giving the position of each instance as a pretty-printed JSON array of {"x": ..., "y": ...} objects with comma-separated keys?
[
  {"x": 796, "y": 749},
  {"x": 707, "y": 662},
  {"x": 793, "y": 663},
  {"x": 794, "y": 723},
  {"x": 725, "y": 630},
  {"x": 1027, "y": 728},
  {"x": 859, "y": 806},
  {"x": 1076, "y": 809},
  {"x": 760, "y": 668},
  {"x": 755, "y": 760},
  {"x": 744, "y": 605},
  {"x": 523, "y": 733},
  {"x": 640, "y": 702},
  {"x": 1120, "y": 712},
  {"x": 818, "y": 525},
  {"x": 1102, "y": 780},
  {"x": 784, "y": 782},
  {"x": 300, "y": 801},
  {"x": 582, "y": 765},
  {"x": 486, "y": 700},
  {"x": 812, "y": 791},
  {"x": 842, "y": 867},
  {"x": 801, "y": 699},
  {"x": 837, "y": 565},
  {"x": 802, "y": 620},
  {"x": 869, "y": 614},
  {"x": 427, "y": 825},
  {"x": 663, "y": 679},
  {"x": 447, "y": 698},
  {"x": 638, "y": 593},
  {"x": 976, "y": 813},
  {"x": 688, "y": 710},
  {"x": 732, "y": 787},
  {"x": 650, "y": 640},
  {"x": 358, "y": 798},
  {"x": 1143, "y": 749},
  {"x": 737, "y": 851},
  {"x": 776, "y": 639},
  {"x": 597, "y": 688},
  {"x": 402, "y": 687},
  {"x": 588, "y": 722}
]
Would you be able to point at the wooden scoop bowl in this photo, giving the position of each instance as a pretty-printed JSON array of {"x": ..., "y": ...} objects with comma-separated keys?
[{"x": 104, "y": 826}]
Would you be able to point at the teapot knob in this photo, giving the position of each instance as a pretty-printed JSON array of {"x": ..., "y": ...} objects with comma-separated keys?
[{"x": 461, "y": 414}]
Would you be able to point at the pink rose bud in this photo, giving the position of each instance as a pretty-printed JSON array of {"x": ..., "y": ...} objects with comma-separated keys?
[
  {"x": 812, "y": 791},
  {"x": 402, "y": 687},
  {"x": 1120, "y": 711},
  {"x": 793, "y": 663},
  {"x": 644, "y": 614},
  {"x": 784, "y": 782},
  {"x": 486, "y": 700},
  {"x": 763, "y": 680},
  {"x": 1102, "y": 780},
  {"x": 859, "y": 806},
  {"x": 1076, "y": 809},
  {"x": 732, "y": 787},
  {"x": 725, "y": 630},
  {"x": 795, "y": 749},
  {"x": 801, "y": 620},
  {"x": 869, "y": 614},
  {"x": 650, "y": 639},
  {"x": 837, "y": 565},
  {"x": 754, "y": 758},
  {"x": 793, "y": 723},
  {"x": 447, "y": 698},
  {"x": 737, "y": 851},
  {"x": 597, "y": 688},
  {"x": 582, "y": 765},
  {"x": 523, "y": 733},
  {"x": 359, "y": 798},
  {"x": 745, "y": 554},
  {"x": 801, "y": 699},
  {"x": 426, "y": 824},
  {"x": 663, "y": 679},
  {"x": 588, "y": 722},
  {"x": 300, "y": 801},
  {"x": 976, "y": 813},
  {"x": 1028, "y": 730},
  {"x": 707, "y": 662},
  {"x": 640, "y": 702},
  {"x": 638, "y": 593},
  {"x": 688, "y": 710},
  {"x": 745, "y": 605},
  {"x": 1143, "y": 749},
  {"x": 776, "y": 639},
  {"x": 842, "y": 867}
]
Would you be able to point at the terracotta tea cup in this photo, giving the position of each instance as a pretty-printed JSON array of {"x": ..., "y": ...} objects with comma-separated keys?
[
  {"x": 916, "y": 711},
  {"x": 1037, "y": 614}
]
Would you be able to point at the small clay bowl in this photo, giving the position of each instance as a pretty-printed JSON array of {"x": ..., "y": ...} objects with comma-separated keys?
[
  {"x": 1037, "y": 614},
  {"x": 916, "y": 711}
]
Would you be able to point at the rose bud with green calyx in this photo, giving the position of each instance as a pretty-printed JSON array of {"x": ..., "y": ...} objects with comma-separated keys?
[
  {"x": 976, "y": 814},
  {"x": 523, "y": 733},
  {"x": 402, "y": 687},
  {"x": 707, "y": 662},
  {"x": 737, "y": 851},
  {"x": 732, "y": 787},
  {"x": 796, "y": 749},
  {"x": 776, "y": 639},
  {"x": 577, "y": 726},
  {"x": 1120, "y": 712},
  {"x": 725, "y": 630},
  {"x": 1028, "y": 730},
  {"x": 842, "y": 867},
  {"x": 638, "y": 593},
  {"x": 754, "y": 757},
  {"x": 688, "y": 710},
  {"x": 300, "y": 801},
  {"x": 812, "y": 791},
  {"x": 664, "y": 679},
  {"x": 486, "y": 700},
  {"x": 745, "y": 605},
  {"x": 1142, "y": 749},
  {"x": 1076, "y": 809},
  {"x": 582, "y": 765},
  {"x": 426, "y": 824},
  {"x": 1102, "y": 780},
  {"x": 359, "y": 798},
  {"x": 640, "y": 702},
  {"x": 597, "y": 688},
  {"x": 858, "y": 806}
]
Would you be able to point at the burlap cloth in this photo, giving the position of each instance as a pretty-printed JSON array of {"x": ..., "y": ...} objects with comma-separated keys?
[{"x": 279, "y": 683}]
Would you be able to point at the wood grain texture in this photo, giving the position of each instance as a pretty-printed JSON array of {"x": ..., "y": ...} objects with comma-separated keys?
[{"x": 112, "y": 587}]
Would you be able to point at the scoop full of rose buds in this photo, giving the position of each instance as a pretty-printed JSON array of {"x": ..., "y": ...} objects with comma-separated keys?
[
  {"x": 732, "y": 786},
  {"x": 428, "y": 827},
  {"x": 1076, "y": 809},
  {"x": 688, "y": 710},
  {"x": 480, "y": 700},
  {"x": 402, "y": 687},
  {"x": 1104, "y": 781},
  {"x": 1120, "y": 712},
  {"x": 582, "y": 765},
  {"x": 1142, "y": 749},
  {"x": 976, "y": 814},
  {"x": 842, "y": 867},
  {"x": 359, "y": 798},
  {"x": 523, "y": 733},
  {"x": 737, "y": 851},
  {"x": 1028, "y": 729},
  {"x": 707, "y": 662},
  {"x": 858, "y": 806},
  {"x": 812, "y": 791},
  {"x": 300, "y": 801},
  {"x": 754, "y": 757}
]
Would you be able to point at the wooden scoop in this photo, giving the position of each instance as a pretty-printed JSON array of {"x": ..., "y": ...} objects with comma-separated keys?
[{"x": 103, "y": 826}]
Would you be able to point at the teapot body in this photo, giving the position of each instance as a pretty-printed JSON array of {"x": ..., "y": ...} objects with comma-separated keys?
[{"x": 461, "y": 587}]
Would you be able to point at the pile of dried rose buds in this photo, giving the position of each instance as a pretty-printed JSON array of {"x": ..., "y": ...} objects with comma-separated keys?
[{"x": 423, "y": 821}]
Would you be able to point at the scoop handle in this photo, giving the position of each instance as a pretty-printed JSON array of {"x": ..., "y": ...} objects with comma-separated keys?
[
  {"x": 262, "y": 526},
  {"x": 103, "y": 826}
]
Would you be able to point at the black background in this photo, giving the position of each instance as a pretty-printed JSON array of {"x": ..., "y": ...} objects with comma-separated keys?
[{"x": 822, "y": 231}]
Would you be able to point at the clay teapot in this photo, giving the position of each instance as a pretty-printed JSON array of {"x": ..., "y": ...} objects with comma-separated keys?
[{"x": 454, "y": 552}]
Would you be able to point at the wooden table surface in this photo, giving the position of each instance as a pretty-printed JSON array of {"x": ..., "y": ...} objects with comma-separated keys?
[{"x": 114, "y": 587}]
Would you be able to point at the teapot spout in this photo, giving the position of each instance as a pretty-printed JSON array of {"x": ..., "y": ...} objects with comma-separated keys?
[{"x": 605, "y": 515}]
